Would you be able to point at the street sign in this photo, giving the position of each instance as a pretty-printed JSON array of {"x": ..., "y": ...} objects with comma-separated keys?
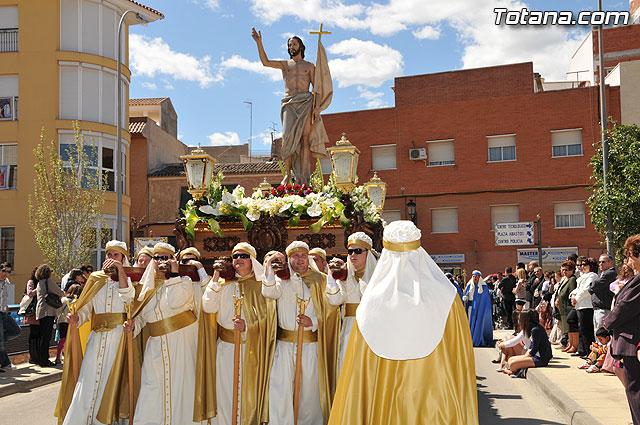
[{"x": 514, "y": 234}]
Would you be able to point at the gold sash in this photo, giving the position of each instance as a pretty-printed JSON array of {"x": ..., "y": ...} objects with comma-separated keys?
[
  {"x": 172, "y": 324},
  {"x": 292, "y": 336},
  {"x": 227, "y": 335},
  {"x": 350, "y": 309},
  {"x": 107, "y": 321}
]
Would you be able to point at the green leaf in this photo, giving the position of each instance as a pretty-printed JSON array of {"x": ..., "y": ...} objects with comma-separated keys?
[
  {"x": 191, "y": 219},
  {"x": 317, "y": 226},
  {"x": 344, "y": 221},
  {"x": 294, "y": 220},
  {"x": 215, "y": 227},
  {"x": 248, "y": 225}
]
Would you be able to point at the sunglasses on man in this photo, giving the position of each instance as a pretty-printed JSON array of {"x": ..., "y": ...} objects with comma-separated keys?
[
  {"x": 161, "y": 257},
  {"x": 357, "y": 251},
  {"x": 240, "y": 255}
]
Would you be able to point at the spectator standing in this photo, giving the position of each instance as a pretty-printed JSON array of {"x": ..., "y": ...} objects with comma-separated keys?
[
  {"x": 563, "y": 303},
  {"x": 581, "y": 301},
  {"x": 73, "y": 292},
  {"x": 601, "y": 294},
  {"x": 530, "y": 282},
  {"x": 30, "y": 319},
  {"x": 536, "y": 286},
  {"x": 45, "y": 313},
  {"x": 506, "y": 286},
  {"x": 624, "y": 322},
  {"x": 9, "y": 329},
  {"x": 520, "y": 290}
]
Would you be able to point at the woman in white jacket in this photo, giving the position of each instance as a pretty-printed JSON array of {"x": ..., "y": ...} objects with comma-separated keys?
[{"x": 581, "y": 301}]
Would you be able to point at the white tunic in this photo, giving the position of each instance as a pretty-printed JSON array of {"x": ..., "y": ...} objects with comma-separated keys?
[
  {"x": 217, "y": 299},
  {"x": 283, "y": 369},
  {"x": 345, "y": 292},
  {"x": 99, "y": 354},
  {"x": 169, "y": 365}
]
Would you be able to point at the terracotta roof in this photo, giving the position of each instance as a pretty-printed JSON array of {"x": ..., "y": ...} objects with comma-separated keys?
[
  {"x": 147, "y": 101},
  {"x": 177, "y": 170},
  {"x": 137, "y": 124},
  {"x": 148, "y": 8}
]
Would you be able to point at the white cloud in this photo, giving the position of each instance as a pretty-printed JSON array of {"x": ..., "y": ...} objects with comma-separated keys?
[
  {"x": 151, "y": 56},
  {"x": 550, "y": 48},
  {"x": 226, "y": 138},
  {"x": 238, "y": 62},
  {"x": 367, "y": 63},
  {"x": 210, "y": 4},
  {"x": 374, "y": 99},
  {"x": 427, "y": 33},
  {"x": 148, "y": 85},
  {"x": 265, "y": 137}
]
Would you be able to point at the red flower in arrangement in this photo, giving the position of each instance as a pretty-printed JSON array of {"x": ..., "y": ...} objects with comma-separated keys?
[
  {"x": 281, "y": 188},
  {"x": 296, "y": 187},
  {"x": 304, "y": 187},
  {"x": 288, "y": 187},
  {"x": 301, "y": 193},
  {"x": 308, "y": 191},
  {"x": 273, "y": 192}
]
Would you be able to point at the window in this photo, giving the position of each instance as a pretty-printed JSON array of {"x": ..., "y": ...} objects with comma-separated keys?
[
  {"x": 7, "y": 244},
  {"x": 100, "y": 151},
  {"x": 8, "y": 95},
  {"x": 9, "y": 29},
  {"x": 569, "y": 214},
  {"x": 391, "y": 215},
  {"x": 325, "y": 164},
  {"x": 502, "y": 148},
  {"x": 104, "y": 232},
  {"x": 383, "y": 157},
  {"x": 566, "y": 142},
  {"x": 504, "y": 214},
  {"x": 444, "y": 220},
  {"x": 8, "y": 166},
  {"x": 89, "y": 27},
  {"x": 441, "y": 152}
]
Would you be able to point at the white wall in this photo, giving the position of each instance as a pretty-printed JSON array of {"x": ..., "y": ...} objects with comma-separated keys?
[
  {"x": 582, "y": 60},
  {"x": 9, "y": 17}
]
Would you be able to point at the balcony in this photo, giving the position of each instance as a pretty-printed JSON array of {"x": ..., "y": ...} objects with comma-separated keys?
[{"x": 8, "y": 40}]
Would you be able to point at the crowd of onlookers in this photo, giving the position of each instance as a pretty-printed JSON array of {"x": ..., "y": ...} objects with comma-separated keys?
[
  {"x": 44, "y": 307},
  {"x": 589, "y": 309}
]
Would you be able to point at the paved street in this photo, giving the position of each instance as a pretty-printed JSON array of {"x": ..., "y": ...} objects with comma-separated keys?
[{"x": 501, "y": 400}]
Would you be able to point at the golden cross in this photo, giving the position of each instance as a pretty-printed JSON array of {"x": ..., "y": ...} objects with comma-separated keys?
[
  {"x": 320, "y": 33},
  {"x": 302, "y": 304}
]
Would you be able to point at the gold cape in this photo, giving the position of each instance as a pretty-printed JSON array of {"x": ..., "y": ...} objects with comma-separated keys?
[
  {"x": 328, "y": 338},
  {"x": 72, "y": 348},
  {"x": 439, "y": 389},
  {"x": 260, "y": 342}
]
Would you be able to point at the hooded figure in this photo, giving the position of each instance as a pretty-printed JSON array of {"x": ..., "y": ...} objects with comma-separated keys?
[
  {"x": 478, "y": 305},
  {"x": 398, "y": 369}
]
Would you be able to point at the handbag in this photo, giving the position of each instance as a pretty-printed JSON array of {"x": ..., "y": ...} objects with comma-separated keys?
[
  {"x": 52, "y": 300},
  {"x": 28, "y": 306}
]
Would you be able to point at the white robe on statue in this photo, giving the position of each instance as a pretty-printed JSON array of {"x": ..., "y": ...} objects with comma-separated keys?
[
  {"x": 99, "y": 354},
  {"x": 169, "y": 364},
  {"x": 283, "y": 369}
]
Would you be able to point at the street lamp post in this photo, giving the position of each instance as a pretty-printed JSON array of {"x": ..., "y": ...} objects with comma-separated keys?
[
  {"x": 250, "y": 126},
  {"x": 118, "y": 162}
]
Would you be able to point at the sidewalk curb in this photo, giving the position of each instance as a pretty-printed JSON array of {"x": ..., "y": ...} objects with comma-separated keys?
[
  {"x": 561, "y": 400},
  {"x": 30, "y": 383}
]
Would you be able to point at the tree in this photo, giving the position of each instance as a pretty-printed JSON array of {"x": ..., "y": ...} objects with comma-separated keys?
[
  {"x": 67, "y": 202},
  {"x": 622, "y": 197}
]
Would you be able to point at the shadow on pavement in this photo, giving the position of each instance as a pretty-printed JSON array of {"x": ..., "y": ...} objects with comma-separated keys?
[{"x": 489, "y": 415}]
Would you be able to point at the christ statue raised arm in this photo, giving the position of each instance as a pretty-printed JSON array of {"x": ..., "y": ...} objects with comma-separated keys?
[{"x": 300, "y": 140}]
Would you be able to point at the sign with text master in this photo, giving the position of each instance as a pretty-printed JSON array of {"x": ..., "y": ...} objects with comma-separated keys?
[{"x": 514, "y": 234}]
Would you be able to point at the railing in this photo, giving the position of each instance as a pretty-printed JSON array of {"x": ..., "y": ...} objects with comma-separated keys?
[{"x": 9, "y": 40}]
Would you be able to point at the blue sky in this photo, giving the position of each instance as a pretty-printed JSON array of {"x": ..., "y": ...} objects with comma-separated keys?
[{"x": 202, "y": 55}]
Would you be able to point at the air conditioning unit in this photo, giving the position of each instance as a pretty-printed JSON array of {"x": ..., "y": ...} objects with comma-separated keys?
[{"x": 418, "y": 154}]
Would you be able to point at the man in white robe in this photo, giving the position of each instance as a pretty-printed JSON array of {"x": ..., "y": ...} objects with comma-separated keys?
[
  {"x": 258, "y": 326},
  {"x": 319, "y": 255},
  {"x": 348, "y": 292},
  {"x": 320, "y": 348},
  {"x": 103, "y": 302},
  {"x": 168, "y": 368}
]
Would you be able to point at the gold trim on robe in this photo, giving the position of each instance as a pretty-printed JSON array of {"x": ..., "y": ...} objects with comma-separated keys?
[
  {"x": 260, "y": 342},
  {"x": 72, "y": 348},
  {"x": 328, "y": 338},
  {"x": 439, "y": 389}
]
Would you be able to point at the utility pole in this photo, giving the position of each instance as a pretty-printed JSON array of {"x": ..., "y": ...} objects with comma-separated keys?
[
  {"x": 250, "y": 125},
  {"x": 603, "y": 129},
  {"x": 539, "y": 240}
]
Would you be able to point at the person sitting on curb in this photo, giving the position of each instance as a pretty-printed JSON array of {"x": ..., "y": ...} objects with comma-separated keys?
[
  {"x": 539, "y": 353},
  {"x": 598, "y": 352}
]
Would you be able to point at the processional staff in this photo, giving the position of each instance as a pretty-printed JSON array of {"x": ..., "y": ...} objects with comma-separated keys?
[{"x": 302, "y": 307}]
